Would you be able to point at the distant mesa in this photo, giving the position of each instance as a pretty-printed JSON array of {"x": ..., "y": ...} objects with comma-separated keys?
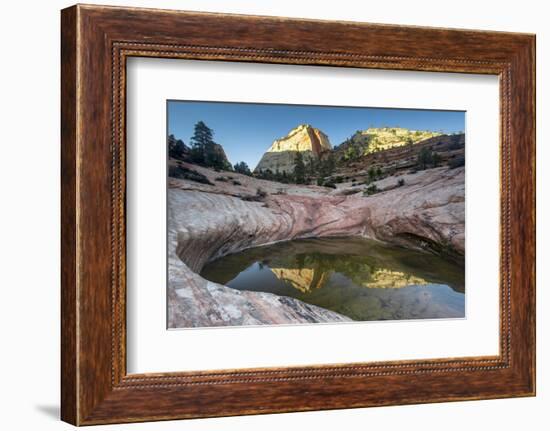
[
  {"x": 375, "y": 139},
  {"x": 306, "y": 139}
]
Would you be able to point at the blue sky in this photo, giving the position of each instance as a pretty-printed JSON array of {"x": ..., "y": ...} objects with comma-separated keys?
[{"x": 246, "y": 130}]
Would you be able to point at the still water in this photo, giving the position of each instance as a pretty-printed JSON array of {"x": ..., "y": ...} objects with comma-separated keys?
[{"x": 359, "y": 278}]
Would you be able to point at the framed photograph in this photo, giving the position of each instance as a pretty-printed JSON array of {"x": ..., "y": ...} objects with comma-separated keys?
[{"x": 264, "y": 215}]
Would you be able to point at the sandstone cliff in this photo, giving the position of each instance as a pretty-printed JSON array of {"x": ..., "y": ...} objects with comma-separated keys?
[
  {"x": 308, "y": 140},
  {"x": 399, "y": 159},
  {"x": 375, "y": 139}
]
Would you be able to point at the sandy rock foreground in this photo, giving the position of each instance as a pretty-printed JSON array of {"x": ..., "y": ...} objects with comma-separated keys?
[{"x": 209, "y": 221}]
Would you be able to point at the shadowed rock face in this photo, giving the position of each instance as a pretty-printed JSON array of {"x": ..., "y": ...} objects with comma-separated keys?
[
  {"x": 308, "y": 140},
  {"x": 209, "y": 221}
]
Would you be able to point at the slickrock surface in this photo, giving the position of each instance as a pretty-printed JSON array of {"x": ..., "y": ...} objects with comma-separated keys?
[
  {"x": 427, "y": 212},
  {"x": 308, "y": 140},
  {"x": 196, "y": 302}
]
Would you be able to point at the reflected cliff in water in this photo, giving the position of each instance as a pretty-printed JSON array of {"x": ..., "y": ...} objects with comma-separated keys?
[{"x": 359, "y": 278}]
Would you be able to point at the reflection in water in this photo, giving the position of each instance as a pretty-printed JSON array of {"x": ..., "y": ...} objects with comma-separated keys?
[
  {"x": 303, "y": 279},
  {"x": 359, "y": 278}
]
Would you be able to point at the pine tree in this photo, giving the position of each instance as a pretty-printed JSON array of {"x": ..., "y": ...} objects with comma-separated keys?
[
  {"x": 327, "y": 166},
  {"x": 371, "y": 173},
  {"x": 331, "y": 164},
  {"x": 425, "y": 158},
  {"x": 410, "y": 144},
  {"x": 436, "y": 160},
  {"x": 284, "y": 177},
  {"x": 201, "y": 142},
  {"x": 203, "y": 136},
  {"x": 205, "y": 151},
  {"x": 299, "y": 169},
  {"x": 312, "y": 167},
  {"x": 242, "y": 168}
]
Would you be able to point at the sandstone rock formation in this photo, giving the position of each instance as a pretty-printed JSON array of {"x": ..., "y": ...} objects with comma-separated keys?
[
  {"x": 375, "y": 139},
  {"x": 219, "y": 152},
  {"x": 399, "y": 159},
  {"x": 202, "y": 226},
  {"x": 308, "y": 140},
  {"x": 207, "y": 221}
]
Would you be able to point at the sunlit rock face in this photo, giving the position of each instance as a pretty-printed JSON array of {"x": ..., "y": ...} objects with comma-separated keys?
[
  {"x": 385, "y": 278},
  {"x": 303, "y": 279},
  {"x": 302, "y": 138},
  {"x": 308, "y": 140},
  {"x": 384, "y": 138},
  {"x": 376, "y": 139},
  {"x": 308, "y": 279}
]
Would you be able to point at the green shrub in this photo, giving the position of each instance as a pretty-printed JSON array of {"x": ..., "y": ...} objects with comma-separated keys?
[
  {"x": 371, "y": 173},
  {"x": 436, "y": 160},
  {"x": 371, "y": 190},
  {"x": 427, "y": 158},
  {"x": 457, "y": 162},
  {"x": 242, "y": 168},
  {"x": 424, "y": 159},
  {"x": 261, "y": 193},
  {"x": 258, "y": 197}
]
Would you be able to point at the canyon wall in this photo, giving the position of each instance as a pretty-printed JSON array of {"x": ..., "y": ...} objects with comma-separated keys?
[{"x": 280, "y": 156}]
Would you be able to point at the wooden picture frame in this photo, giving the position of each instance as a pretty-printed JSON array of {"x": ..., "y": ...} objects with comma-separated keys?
[{"x": 95, "y": 43}]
